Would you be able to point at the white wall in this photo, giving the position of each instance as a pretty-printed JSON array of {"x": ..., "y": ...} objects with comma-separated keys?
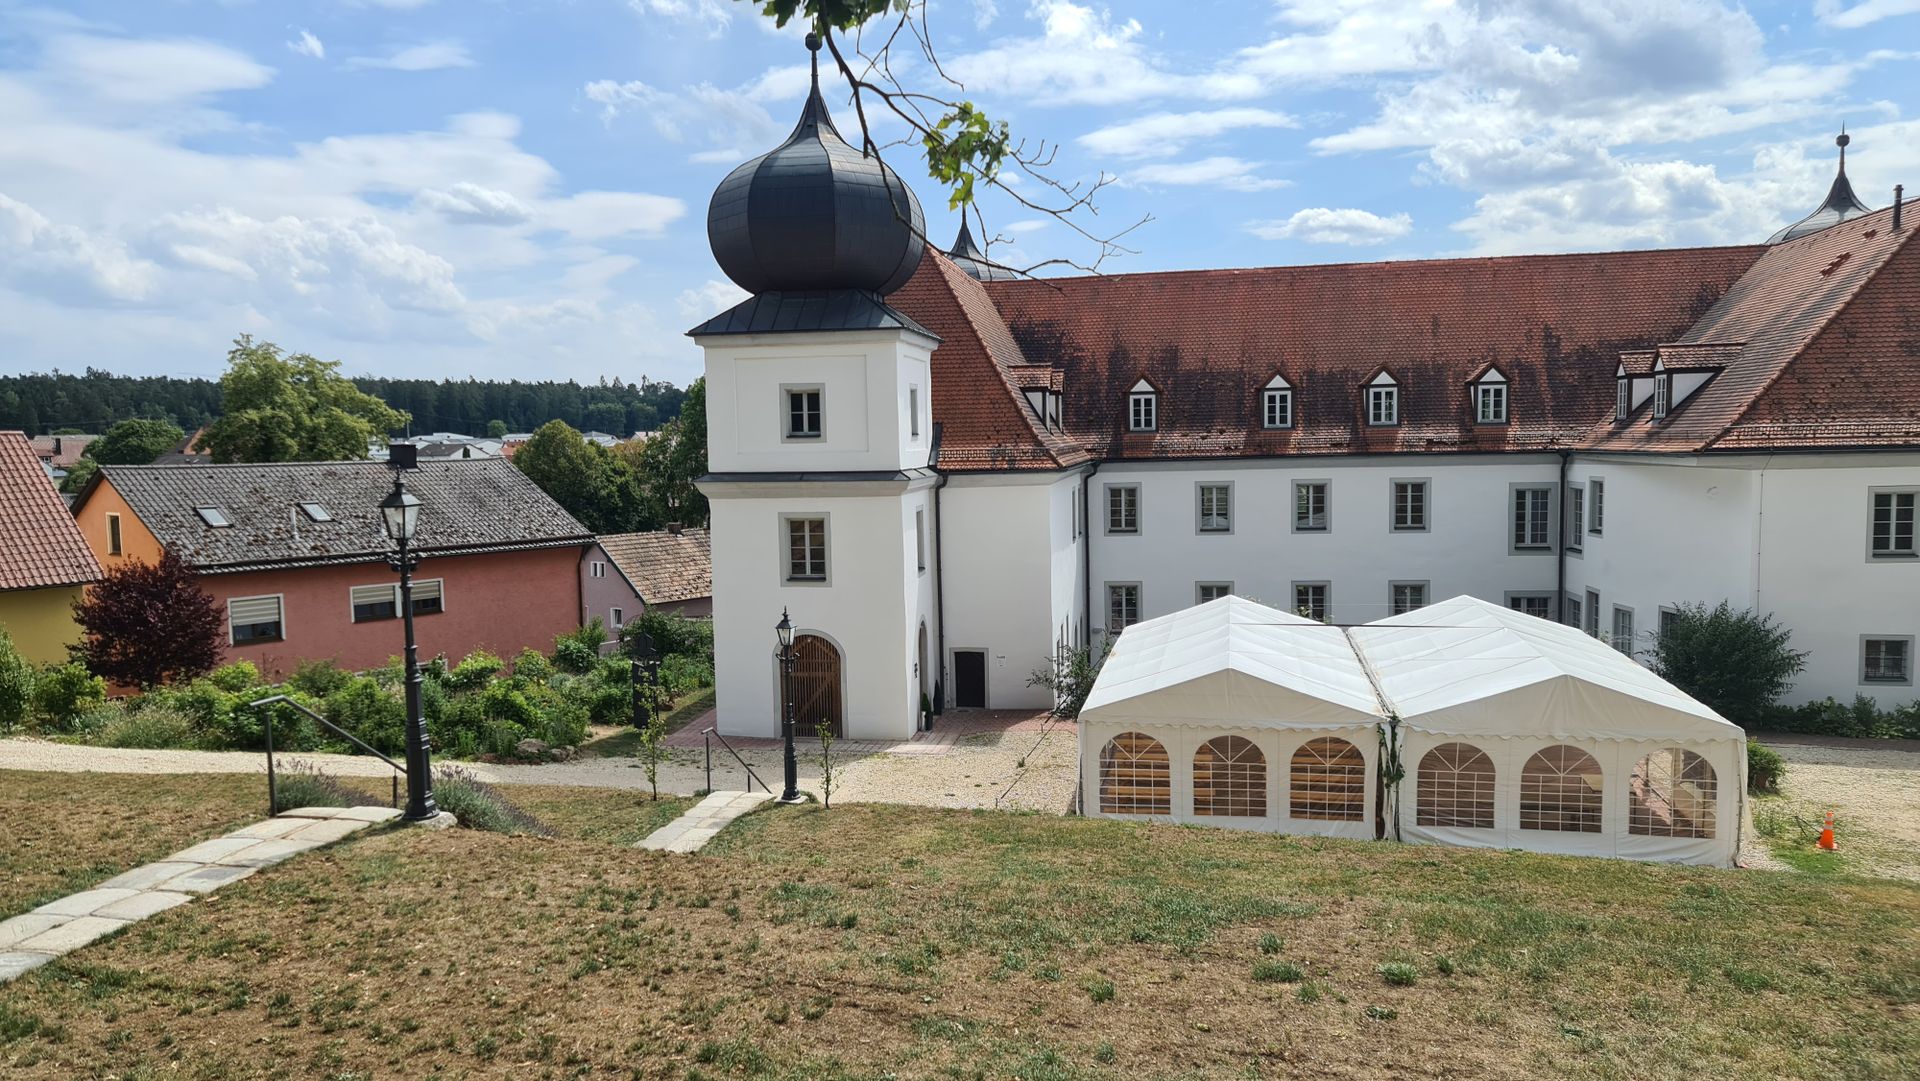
[{"x": 1464, "y": 550}]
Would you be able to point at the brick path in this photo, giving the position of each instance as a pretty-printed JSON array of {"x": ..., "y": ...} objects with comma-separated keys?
[{"x": 32, "y": 939}]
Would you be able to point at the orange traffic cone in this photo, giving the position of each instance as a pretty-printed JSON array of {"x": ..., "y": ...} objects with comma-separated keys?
[{"x": 1826, "y": 834}]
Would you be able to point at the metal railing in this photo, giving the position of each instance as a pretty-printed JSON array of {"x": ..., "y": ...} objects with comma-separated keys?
[
  {"x": 266, "y": 716},
  {"x": 711, "y": 735}
]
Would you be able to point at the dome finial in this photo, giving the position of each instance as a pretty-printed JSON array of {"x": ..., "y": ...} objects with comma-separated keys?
[{"x": 1842, "y": 142}]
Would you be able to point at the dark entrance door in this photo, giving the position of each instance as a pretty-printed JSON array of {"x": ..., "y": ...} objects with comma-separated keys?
[
  {"x": 969, "y": 679},
  {"x": 816, "y": 685}
]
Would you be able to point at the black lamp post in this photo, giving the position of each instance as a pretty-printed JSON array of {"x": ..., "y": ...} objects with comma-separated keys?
[
  {"x": 401, "y": 511},
  {"x": 644, "y": 669},
  {"x": 784, "y": 631}
]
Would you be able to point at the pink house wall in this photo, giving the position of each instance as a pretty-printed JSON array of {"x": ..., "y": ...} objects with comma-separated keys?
[{"x": 501, "y": 602}]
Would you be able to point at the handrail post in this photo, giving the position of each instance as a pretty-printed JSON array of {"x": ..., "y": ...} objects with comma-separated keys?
[{"x": 273, "y": 792}]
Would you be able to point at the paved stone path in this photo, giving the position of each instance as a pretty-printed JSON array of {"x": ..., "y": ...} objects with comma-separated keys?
[
  {"x": 32, "y": 939},
  {"x": 691, "y": 831}
]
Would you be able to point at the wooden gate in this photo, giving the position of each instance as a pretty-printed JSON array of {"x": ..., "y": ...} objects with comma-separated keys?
[{"x": 816, "y": 685}]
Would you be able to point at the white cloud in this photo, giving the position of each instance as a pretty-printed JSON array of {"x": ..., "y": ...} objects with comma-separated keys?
[
  {"x": 427, "y": 56},
  {"x": 157, "y": 71},
  {"x": 601, "y": 215},
  {"x": 715, "y": 15},
  {"x": 710, "y": 298},
  {"x": 64, "y": 262},
  {"x": 1835, "y": 13},
  {"x": 729, "y": 118},
  {"x": 1217, "y": 172},
  {"x": 1321, "y": 225},
  {"x": 470, "y": 202},
  {"x": 308, "y": 45},
  {"x": 1164, "y": 134},
  {"x": 1084, "y": 56}
]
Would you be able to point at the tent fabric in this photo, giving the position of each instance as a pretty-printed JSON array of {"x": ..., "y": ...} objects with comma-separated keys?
[{"x": 1464, "y": 670}]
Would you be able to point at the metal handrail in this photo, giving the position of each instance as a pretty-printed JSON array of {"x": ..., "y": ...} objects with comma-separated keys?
[
  {"x": 711, "y": 735},
  {"x": 273, "y": 800}
]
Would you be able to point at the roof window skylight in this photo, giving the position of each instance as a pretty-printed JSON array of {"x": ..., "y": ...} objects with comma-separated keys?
[
  {"x": 315, "y": 512},
  {"x": 214, "y": 517}
]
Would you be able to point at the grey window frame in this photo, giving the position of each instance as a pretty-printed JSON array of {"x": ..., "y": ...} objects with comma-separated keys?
[
  {"x": 1269, "y": 396},
  {"x": 787, "y": 577},
  {"x": 1572, "y": 611},
  {"x": 1576, "y": 518},
  {"x": 1596, "y": 505},
  {"x": 280, "y": 607},
  {"x": 1893, "y": 555},
  {"x": 1199, "y": 508},
  {"x": 1108, "y": 517},
  {"x": 1662, "y": 395},
  {"x": 1326, "y": 597},
  {"x": 1388, "y": 392},
  {"x": 1483, "y": 392},
  {"x": 1622, "y": 398},
  {"x": 787, "y": 391},
  {"x": 1393, "y": 505},
  {"x": 920, "y": 538},
  {"x": 1326, "y": 506},
  {"x": 1591, "y": 628},
  {"x": 1107, "y": 593},
  {"x": 1514, "y": 547},
  {"x": 1905, "y": 639},
  {"x": 1660, "y": 619},
  {"x": 1613, "y": 629},
  {"x": 1553, "y": 613},
  {"x": 913, "y": 412},
  {"x": 1152, "y": 411},
  {"x": 1393, "y": 600},
  {"x": 1200, "y": 588}
]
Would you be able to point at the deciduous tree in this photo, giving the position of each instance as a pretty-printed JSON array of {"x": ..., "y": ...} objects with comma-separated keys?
[
  {"x": 146, "y": 624},
  {"x": 595, "y": 486},
  {"x": 135, "y": 442},
  {"x": 292, "y": 408},
  {"x": 1735, "y": 661}
]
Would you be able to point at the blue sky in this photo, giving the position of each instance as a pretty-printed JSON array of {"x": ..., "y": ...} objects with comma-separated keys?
[{"x": 518, "y": 188}]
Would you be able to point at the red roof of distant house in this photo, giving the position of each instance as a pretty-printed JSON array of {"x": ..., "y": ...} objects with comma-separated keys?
[
  {"x": 43, "y": 547},
  {"x": 664, "y": 566},
  {"x": 62, "y": 450}
]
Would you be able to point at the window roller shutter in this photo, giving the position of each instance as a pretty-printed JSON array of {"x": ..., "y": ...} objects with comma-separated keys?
[
  {"x": 244, "y": 610},
  {"x": 373, "y": 595},
  {"x": 426, "y": 590}
]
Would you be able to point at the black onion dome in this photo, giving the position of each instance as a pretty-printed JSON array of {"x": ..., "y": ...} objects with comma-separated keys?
[
  {"x": 968, "y": 257},
  {"x": 815, "y": 213},
  {"x": 1839, "y": 205}
]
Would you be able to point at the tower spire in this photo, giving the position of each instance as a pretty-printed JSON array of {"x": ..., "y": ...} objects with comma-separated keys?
[{"x": 1840, "y": 204}]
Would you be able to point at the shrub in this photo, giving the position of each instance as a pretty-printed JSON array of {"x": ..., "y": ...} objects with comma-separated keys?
[
  {"x": 1400, "y": 973},
  {"x": 303, "y": 784},
  {"x": 1070, "y": 677},
  {"x": 1735, "y": 661},
  {"x": 371, "y": 712},
  {"x": 16, "y": 684},
  {"x": 236, "y": 677},
  {"x": 146, "y": 624},
  {"x": 1765, "y": 767},
  {"x": 319, "y": 678},
  {"x": 1863, "y": 719},
  {"x": 534, "y": 665},
  {"x": 478, "y": 805},
  {"x": 92, "y": 723},
  {"x": 152, "y": 728},
  {"x": 474, "y": 672},
  {"x": 673, "y": 635},
  {"x": 572, "y": 655},
  {"x": 682, "y": 673},
  {"x": 63, "y": 692},
  {"x": 1278, "y": 972}
]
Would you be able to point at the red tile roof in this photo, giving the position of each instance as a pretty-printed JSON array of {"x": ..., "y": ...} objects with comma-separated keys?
[
  {"x": 663, "y": 566},
  {"x": 41, "y": 545}
]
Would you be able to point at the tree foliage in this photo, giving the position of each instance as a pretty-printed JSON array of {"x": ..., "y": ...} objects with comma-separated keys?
[
  {"x": 594, "y": 485},
  {"x": 292, "y": 408},
  {"x": 1734, "y": 661},
  {"x": 146, "y": 624},
  {"x": 135, "y": 442},
  {"x": 672, "y": 460},
  {"x": 16, "y": 684}
]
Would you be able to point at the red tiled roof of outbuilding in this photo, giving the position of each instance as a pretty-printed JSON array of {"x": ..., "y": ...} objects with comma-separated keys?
[{"x": 44, "y": 547}]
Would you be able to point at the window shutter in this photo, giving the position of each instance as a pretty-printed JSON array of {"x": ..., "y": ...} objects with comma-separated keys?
[
  {"x": 247, "y": 610},
  {"x": 428, "y": 590},
  {"x": 373, "y": 595}
]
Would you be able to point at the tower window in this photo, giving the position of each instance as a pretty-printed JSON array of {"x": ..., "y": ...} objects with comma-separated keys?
[
  {"x": 803, "y": 412},
  {"x": 806, "y": 549}
]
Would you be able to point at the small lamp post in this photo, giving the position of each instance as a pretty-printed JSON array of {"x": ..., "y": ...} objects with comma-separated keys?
[
  {"x": 784, "y": 632},
  {"x": 644, "y": 669},
  {"x": 401, "y": 514}
]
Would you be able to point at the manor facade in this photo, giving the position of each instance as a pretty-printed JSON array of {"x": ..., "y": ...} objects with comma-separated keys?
[{"x": 946, "y": 474}]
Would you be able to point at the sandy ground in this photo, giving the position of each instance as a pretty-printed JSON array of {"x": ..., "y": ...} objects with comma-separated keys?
[
  {"x": 1875, "y": 797},
  {"x": 1025, "y": 770}
]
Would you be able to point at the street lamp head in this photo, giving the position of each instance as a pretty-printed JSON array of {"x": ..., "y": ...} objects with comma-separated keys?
[
  {"x": 401, "y": 512},
  {"x": 785, "y": 630}
]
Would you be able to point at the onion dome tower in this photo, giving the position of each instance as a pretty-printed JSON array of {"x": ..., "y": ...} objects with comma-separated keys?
[
  {"x": 1840, "y": 203},
  {"x": 815, "y": 214},
  {"x": 968, "y": 257}
]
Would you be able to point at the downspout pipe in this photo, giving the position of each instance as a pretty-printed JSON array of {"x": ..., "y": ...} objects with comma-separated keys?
[
  {"x": 939, "y": 659},
  {"x": 1086, "y": 555},
  {"x": 1560, "y": 548}
]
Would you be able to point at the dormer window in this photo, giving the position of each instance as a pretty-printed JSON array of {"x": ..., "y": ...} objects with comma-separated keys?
[
  {"x": 1143, "y": 409},
  {"x": 1383, "y": 401},
  {"x": 1622, "y": 397},
  {"x": 803, "y": 412},
  {"x": 1490, "y": 398},
  {"x": 1662, "y": 395},
  {"x": 1276, "y": 404}
]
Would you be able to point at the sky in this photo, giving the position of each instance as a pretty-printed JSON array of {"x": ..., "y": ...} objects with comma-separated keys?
[{"x": 518, "y": 188}]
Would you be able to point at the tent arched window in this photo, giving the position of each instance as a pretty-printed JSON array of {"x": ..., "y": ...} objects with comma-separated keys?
[
  {"x": 1136, "y": 777},
  {"x": 1230, "y": 778},
  {"x": 1672, "y": 793},
  {"x": 1455, "y": 787},
  {"x": 1560, "y": 790},
  {"x": 1328, "y": 780}
]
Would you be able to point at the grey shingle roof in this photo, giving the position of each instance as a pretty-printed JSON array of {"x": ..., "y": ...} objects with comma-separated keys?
[
  {"x": 471, "y": 506},
  {"x": 664, "y": 567}
]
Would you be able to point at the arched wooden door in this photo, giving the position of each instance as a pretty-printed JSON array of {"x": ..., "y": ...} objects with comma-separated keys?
[{"x": 816, "y": 685}]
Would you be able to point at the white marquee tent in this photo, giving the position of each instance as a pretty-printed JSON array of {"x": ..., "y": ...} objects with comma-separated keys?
[{"x": 1506, "y": 730}]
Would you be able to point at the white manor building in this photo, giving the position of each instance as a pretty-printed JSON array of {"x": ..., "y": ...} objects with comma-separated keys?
[{"x": 946, "y": 474}]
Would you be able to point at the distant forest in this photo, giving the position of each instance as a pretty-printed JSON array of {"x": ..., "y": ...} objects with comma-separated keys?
[{"x": 94, "y": 402}]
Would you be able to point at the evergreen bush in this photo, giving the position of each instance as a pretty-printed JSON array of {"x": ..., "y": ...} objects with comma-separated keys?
[{"x": 63, "y": 692}]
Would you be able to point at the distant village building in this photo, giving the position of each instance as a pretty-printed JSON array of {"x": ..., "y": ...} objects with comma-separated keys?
[
  {"x": 59, "y": 453},
  {"x": 296, "y": 555},
  {"x": 627, "y": 574},
  {"x": 44, "y": 561},
  {"x": 947, "y": 480}
]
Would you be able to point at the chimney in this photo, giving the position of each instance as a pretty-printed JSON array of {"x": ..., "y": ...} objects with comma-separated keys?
[
  {"x": 56, "y": 446},
  {"x": 403, "y": 456},
  {"x": 1898, "y": 190},
  {"x": 675, "y": 527}
]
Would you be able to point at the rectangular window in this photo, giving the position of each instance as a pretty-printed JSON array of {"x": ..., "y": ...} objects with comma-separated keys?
[
  {"x": 1277, "y": 409},
  {"x": 1310, "y": 600},
  {"x": 1123, "y": 508},
  {"x": 1576, "y": 517},
  {"x": 913, "y": 412},
  {"x": 1532, "y": 519},
  {"x": 1623, "y": 629},
  {"x": 1383, "y": 405},
  {"x": 1492, "y": 403},
  {"x": 1593, "y": 614},
  {"x": 1570, "y": 610},
  {"x": 1310, "y": 513},
  {"x": 1211, "y": 591},
  {"x": 617, "y": 617},
  {"x": 803, "y": 413},
  {"x": 1622, "y": 398},
  {"x": 1216, "y": 508},
  {"x": 1404, "y": 597},
  {"x": 1123, "y": 606},
  {"x": 920, "y": 539},
  {"x": 1886, "y": 660},
  {"x": 597, "y": 569},
  {"x": 428, "y": 596},
  {"x": 1142, "y": 413},
  {"x": 1893, "y": 517},
  {"x": 1662, "y": 396},
  {"x": 1409, "y": 506},
  {"x": 806, "y": 549},
  {"x": 373, "y": 603},
  {"x": 113, "y": 534},
  {"x": 1597, "y": 505},
  {"x": 1539, "y": 605},
  {"x": 254, "y": 619}
]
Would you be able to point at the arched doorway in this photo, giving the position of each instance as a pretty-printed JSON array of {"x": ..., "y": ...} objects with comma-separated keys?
[{"x": 816, "y": 685}]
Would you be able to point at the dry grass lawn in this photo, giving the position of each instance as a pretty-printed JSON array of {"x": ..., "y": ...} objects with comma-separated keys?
[{"x": 877, "y": 941}]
